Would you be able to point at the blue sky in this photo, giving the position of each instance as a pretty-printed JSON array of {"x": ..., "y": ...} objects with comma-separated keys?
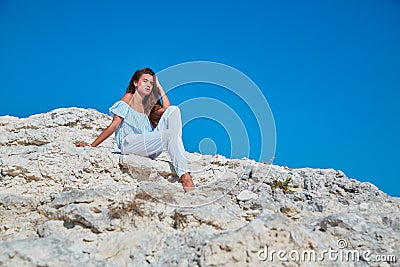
[{"x": 330, "y": 70}]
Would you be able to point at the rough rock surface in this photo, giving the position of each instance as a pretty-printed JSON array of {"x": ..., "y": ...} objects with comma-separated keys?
[{"x": 66, "y": 206}]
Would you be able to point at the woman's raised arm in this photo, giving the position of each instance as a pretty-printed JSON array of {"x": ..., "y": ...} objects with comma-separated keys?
[{"x": 164, "y": 97}]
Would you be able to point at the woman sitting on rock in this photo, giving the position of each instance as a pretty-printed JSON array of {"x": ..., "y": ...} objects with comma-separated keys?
[{"x": 145, "y": 127}]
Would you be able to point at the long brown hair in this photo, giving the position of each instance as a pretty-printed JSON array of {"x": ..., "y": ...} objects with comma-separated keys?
[{"x": 150, "y": 102}]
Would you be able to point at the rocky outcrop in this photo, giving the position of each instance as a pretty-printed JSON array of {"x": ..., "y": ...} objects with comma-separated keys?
[{"x": 66, "y": 206}]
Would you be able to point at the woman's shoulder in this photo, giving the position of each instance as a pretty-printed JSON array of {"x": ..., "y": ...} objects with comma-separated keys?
[
  {"x": 119, "y": 108},
  {"x": 123, "y": 102},
  {"x": 127, "y": 97}
]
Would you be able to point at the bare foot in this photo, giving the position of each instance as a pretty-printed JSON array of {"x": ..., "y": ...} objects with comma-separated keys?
[{"x": 187, "y": 182}]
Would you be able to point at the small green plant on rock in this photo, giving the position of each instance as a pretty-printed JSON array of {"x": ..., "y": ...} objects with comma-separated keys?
[
  {"x": 218, "y": 163},
  {"x": 282, "y": 184}
]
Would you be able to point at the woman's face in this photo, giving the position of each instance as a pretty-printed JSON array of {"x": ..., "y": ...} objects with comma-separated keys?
[{"x": 144, "y": 85}]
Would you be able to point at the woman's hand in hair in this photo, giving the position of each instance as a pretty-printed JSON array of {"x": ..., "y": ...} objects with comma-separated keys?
[
  {"x": 158, "y": 86},
  {"x": 164, "y": 97},
  {"x": 157, "y": 83}
]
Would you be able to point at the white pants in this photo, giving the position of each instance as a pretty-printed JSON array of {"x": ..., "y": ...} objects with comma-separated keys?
[{"x": 167, "y": 136}]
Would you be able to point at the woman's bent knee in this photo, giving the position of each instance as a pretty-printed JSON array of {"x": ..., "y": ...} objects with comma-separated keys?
[{"x": 173, "y": 109}]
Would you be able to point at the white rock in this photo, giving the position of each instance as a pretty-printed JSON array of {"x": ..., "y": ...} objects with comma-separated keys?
[
  {"x": 246, "y": 195},
  {"x": 94, "y": 207}
]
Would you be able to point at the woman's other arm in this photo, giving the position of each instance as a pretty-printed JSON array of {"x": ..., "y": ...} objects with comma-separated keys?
[
  {"x": 106, "y": 133},
  {"x": 164, "y": 97}
]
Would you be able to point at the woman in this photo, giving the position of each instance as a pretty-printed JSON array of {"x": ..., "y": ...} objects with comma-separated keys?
[{"x": 144, "y": 127}]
